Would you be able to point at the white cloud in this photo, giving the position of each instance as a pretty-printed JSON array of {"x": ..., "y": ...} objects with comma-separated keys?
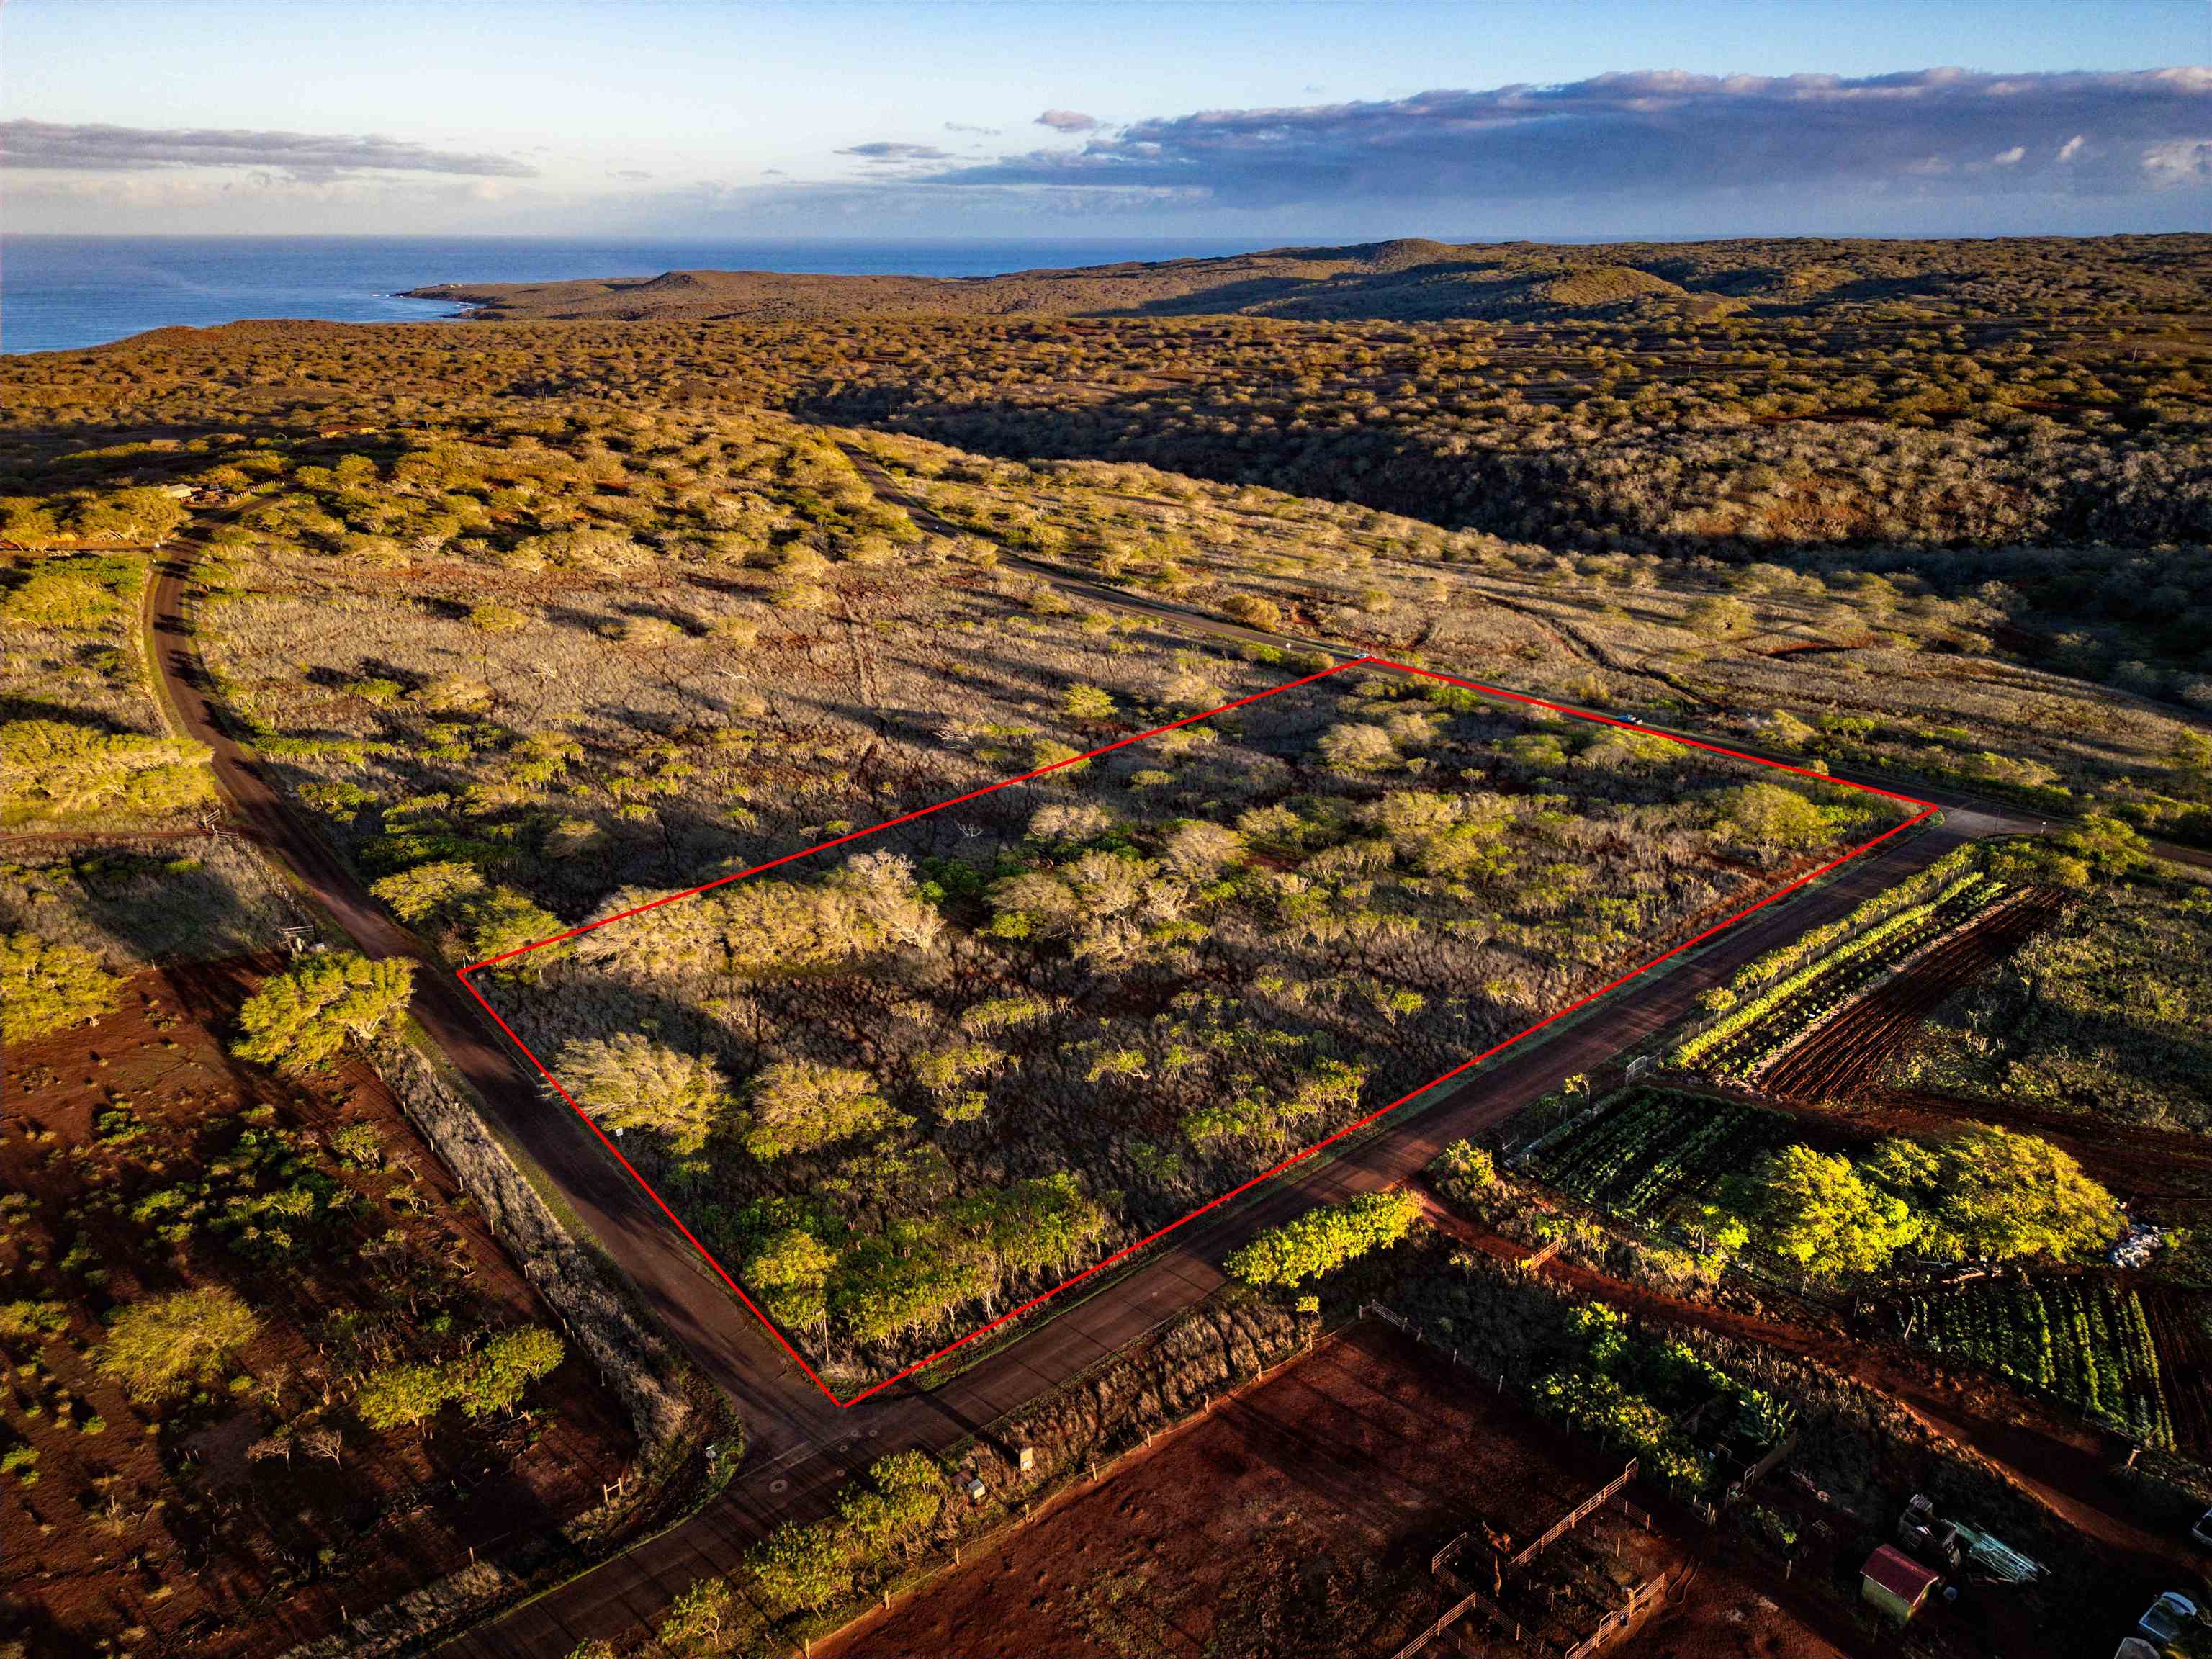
[{"x": 58, "y": 147}]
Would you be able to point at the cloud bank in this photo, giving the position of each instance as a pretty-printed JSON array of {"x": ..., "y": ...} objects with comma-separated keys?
[
  {"x": 59, "y": 147},
  {"x": 1655, "y": 153},
  {"x": 883, "y": 151},
  {"x": 1664, "y": 134}
]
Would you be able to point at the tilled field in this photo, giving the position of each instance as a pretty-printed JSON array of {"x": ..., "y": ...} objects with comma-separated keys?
[{"x": 1848, "y": 1050}]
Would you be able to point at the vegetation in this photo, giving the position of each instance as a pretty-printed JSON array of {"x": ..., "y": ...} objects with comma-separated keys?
[
  {"x": 488, "y": 1380},
  {"x": 62, "y": 769},
  {"x": 1634, "y": 1395},
  {"x": 49, "y": 987},
  {"x": 2107, "y": 1012},
  {"x": 2086, "y": 1342},
  {"x": 165, "y": 1345},
  {"x": 1986, "y": 1194},
  {"x": 304, "y": 1015},
  {"x": 1324, "y": 1238},
  {"x": 1647, "y": 1152},
  {"x": 1816, "y": 1209},
  {"x": 1765, "y": 1009},
  {"x": 629, "y": 1083},
  {"x": 196, "y": 1253}
]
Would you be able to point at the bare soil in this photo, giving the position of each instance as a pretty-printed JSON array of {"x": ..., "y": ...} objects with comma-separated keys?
[
  {"x": 168, "y": 1539},
  {"x": 1295, "y": 1519},
  {"x": 1853, "y": 1047}
]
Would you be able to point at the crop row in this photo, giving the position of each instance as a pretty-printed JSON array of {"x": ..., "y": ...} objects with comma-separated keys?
[
  {"x": 1741, "y": 1038},
  {"x": 1655, "y": 1148},
  {"x": 2085, "y": 1342}
]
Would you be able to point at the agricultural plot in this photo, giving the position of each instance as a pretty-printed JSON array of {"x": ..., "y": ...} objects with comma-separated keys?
[
  {"x": 1758, "y": 1029},
  {"x": 2086, "y": 1342},
  {"x": 1652, "y": 1151},
  {"x": 902, "y": 1082}
]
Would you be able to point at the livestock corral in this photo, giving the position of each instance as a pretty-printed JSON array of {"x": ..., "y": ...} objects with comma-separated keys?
[{"x": 1303, "y": 1517}]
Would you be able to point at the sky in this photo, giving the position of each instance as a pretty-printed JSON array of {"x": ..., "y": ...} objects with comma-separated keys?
[{"x": 1278, "y": 123}]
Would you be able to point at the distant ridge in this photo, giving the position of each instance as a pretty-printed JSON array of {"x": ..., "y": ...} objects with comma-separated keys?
[{"x": 1409, "y": 279}]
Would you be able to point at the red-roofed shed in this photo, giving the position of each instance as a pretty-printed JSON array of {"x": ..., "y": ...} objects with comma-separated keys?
[{"x": 1895, "y": 1582}]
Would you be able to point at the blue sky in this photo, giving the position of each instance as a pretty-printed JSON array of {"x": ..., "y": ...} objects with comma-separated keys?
[{"x": 1280, "y": 122}]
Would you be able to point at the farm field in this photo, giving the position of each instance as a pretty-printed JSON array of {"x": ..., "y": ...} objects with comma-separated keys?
[
  {"x": 1751, "y": 1035},
  {"x": 1297, "y": 1518},
  {"x": 1841, "y": 1053},
  {"x": 911, "y": 1080},
  {"x": 1654, "y": 1150},
  {"x": 243, "y": 1504},
  {"x": 2090, "y": 1343}
]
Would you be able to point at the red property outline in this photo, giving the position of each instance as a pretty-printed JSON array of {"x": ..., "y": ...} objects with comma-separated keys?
[{"x": 1269, "y": 1174}]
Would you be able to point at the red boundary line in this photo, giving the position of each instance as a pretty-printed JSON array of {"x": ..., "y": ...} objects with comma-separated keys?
[{"x": 1273, "y": 1170}]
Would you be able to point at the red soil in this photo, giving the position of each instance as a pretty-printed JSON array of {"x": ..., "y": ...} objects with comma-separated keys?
[
  {"x": 1297, "y": 1518},
  {"x": 178, "y": 1535}
]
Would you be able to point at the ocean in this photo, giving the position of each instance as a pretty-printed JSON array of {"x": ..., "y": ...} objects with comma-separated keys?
[{"x": 59, "y": 293}]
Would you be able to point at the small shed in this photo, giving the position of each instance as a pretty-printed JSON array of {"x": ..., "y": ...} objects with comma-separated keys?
[{"x": 1896, "y": 1584}]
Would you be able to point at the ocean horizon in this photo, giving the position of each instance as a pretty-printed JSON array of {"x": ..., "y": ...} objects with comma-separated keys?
[{"x": 67, "y": 293}]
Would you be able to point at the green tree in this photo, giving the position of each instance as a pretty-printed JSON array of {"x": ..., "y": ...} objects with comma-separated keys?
[
  {"x": 1356, "y": 747},
  {"x": 789, "y": 1271},
  {"x": 1813, "y": 1208},
  {"x": 701, "y": 1621},
  {"x": 799, "y": 1568},
  {"x": 899, "y": 1500},
  {"x": 1993, "y": 1194},
  {"x": 59, "y": 599},
  {"x": 1325, "y": 1238},
  {"x": 428, "y": 891},
  {"x": 303, "y": 1016},
  {"x": 1088, "y": 703},
  {"x": 502, "y": 919},
  {"x": 164, "y": 1345},
  {"x": 51, "y": 986},
  {"x": 59, "y": 767},
  {"x": 802, "y": 1104},
  {"x": 495, "y": 1378},
  {"x": 405, "y": 1396},
  {"x": 1718, "y": 616},
  {"x": 629, "y": 1082},
  {"x": 1772, "y": 818},
  {"x": 1252, "y": 612}
]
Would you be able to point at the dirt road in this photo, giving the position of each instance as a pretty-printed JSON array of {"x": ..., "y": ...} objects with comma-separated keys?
[{"x": 801, "y": 1446}]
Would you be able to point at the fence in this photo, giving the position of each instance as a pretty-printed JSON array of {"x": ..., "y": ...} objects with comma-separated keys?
[
  {"x": 1471, "y": 1599},
  {"x": 1574, "y": 1518},
  {"x": 1621, "y": 1619}
]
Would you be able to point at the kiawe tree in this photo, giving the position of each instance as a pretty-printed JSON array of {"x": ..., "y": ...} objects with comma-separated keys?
[
  {"x": 1325, "y": 1238},
  {"x": 802, "y": 1104},
  {"x": 789, "y": 1271},
  {"x": 629, "y": 1082},
  {"x": 303, "y": 1016},
  {"x": 49, "y": 986},
  {"x": 164, "y": 1345}
]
